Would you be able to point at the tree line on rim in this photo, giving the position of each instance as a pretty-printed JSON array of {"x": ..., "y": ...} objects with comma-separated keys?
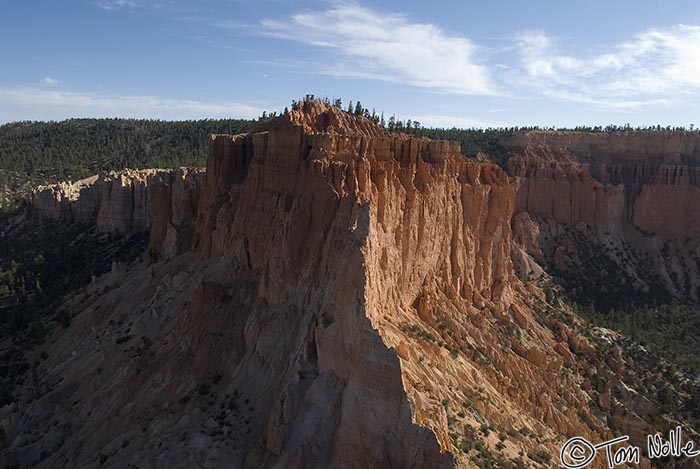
[{"x": 34, "y": 153}]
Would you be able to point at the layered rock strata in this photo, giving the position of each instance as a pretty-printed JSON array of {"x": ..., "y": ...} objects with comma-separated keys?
[
  {"x": 632, "y": 198},
  {"x": 436, "y": 279},
  {"x": 335, "y": 296},
  {"x": 162, "y": 202}
]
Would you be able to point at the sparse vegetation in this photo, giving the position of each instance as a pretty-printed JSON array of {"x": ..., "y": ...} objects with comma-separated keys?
[
  {"x": 542, "y": 457},
  {"x": 416, "y": 331},
  {"x": 38, "y": 267},
  {"x": 485, "y": 429}
]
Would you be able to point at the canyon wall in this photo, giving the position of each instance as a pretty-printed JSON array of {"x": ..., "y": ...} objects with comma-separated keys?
[
  {"x": 161, "y": 202},
  {"x": 632, "y": 197},
  {"x": 334, "y": 295},
  {"x": 395, "y": 251},
  {"x": 271, "y": 299},
  {"x": 288, "y": 203},
  {"x": 648, "y": 180}
]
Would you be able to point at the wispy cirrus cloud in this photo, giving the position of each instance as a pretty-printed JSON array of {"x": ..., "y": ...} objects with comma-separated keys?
[
  {"x": 656, "y": 67},
  {"x": 388, "y": 47},
  {"x": 117, "y": 4},
  {"x": 29, "y": 103}
]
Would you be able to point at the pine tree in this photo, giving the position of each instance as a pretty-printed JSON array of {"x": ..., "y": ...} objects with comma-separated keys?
[{"x": 358, "y": 109}]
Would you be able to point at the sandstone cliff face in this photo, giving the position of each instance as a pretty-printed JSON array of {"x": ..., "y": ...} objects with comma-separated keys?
[
  {"x": 288, "y": 204},
  {"x": 633, "y": 197},
  {"x": 162, "y": 202},
  {"x": 430, "y": 252},
  {"x": 334, "y": 296},
  {"x": 650, "y": 181},
  {"x": 271, "y": 301}
]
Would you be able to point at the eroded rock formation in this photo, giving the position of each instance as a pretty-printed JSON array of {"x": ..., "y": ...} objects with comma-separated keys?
[
  {"x": 631, "y": 201},
  {"x": 123, "y": 202},
  {"x": 335, "y": 295}
]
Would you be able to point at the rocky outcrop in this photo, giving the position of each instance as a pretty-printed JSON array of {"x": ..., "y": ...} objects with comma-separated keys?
[
  {"x": 63, "y": 201},
  {"x": 428, "y": 237},
  {"x": 159, "y": 201},
  {"x": 289, "y": 203},
  {"x": 278, "y": 268},
  {"x": 334, "y": 296},
  {"x": 633, "y": 196},
  {"x": 650, "y": 181}
]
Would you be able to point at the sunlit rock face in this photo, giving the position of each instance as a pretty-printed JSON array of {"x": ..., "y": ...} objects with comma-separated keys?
[{"x": 329, "y": 294}]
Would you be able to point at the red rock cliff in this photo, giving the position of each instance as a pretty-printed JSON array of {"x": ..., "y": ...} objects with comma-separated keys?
[
  {"x": 349, "y": 300},
  {"x": 159, "y": 201},
  {"x": 649, "y": 180},
  {"x": 623, "y": 192},
  {"x": 382, "y": 240}
]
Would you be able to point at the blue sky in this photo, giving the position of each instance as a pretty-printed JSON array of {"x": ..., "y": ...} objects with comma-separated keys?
[{"x": 466, "y": 63}]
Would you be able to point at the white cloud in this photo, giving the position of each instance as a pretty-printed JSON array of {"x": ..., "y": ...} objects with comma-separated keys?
[
  {"x": 26, "y": 103},
  {"x": 386, "y": 46},
  {"x": 655, "y": 67},
  {"x": 460, "y": 122},
  {"x": 48, "y": 81},
  {"x": 116, "y": 4}
]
